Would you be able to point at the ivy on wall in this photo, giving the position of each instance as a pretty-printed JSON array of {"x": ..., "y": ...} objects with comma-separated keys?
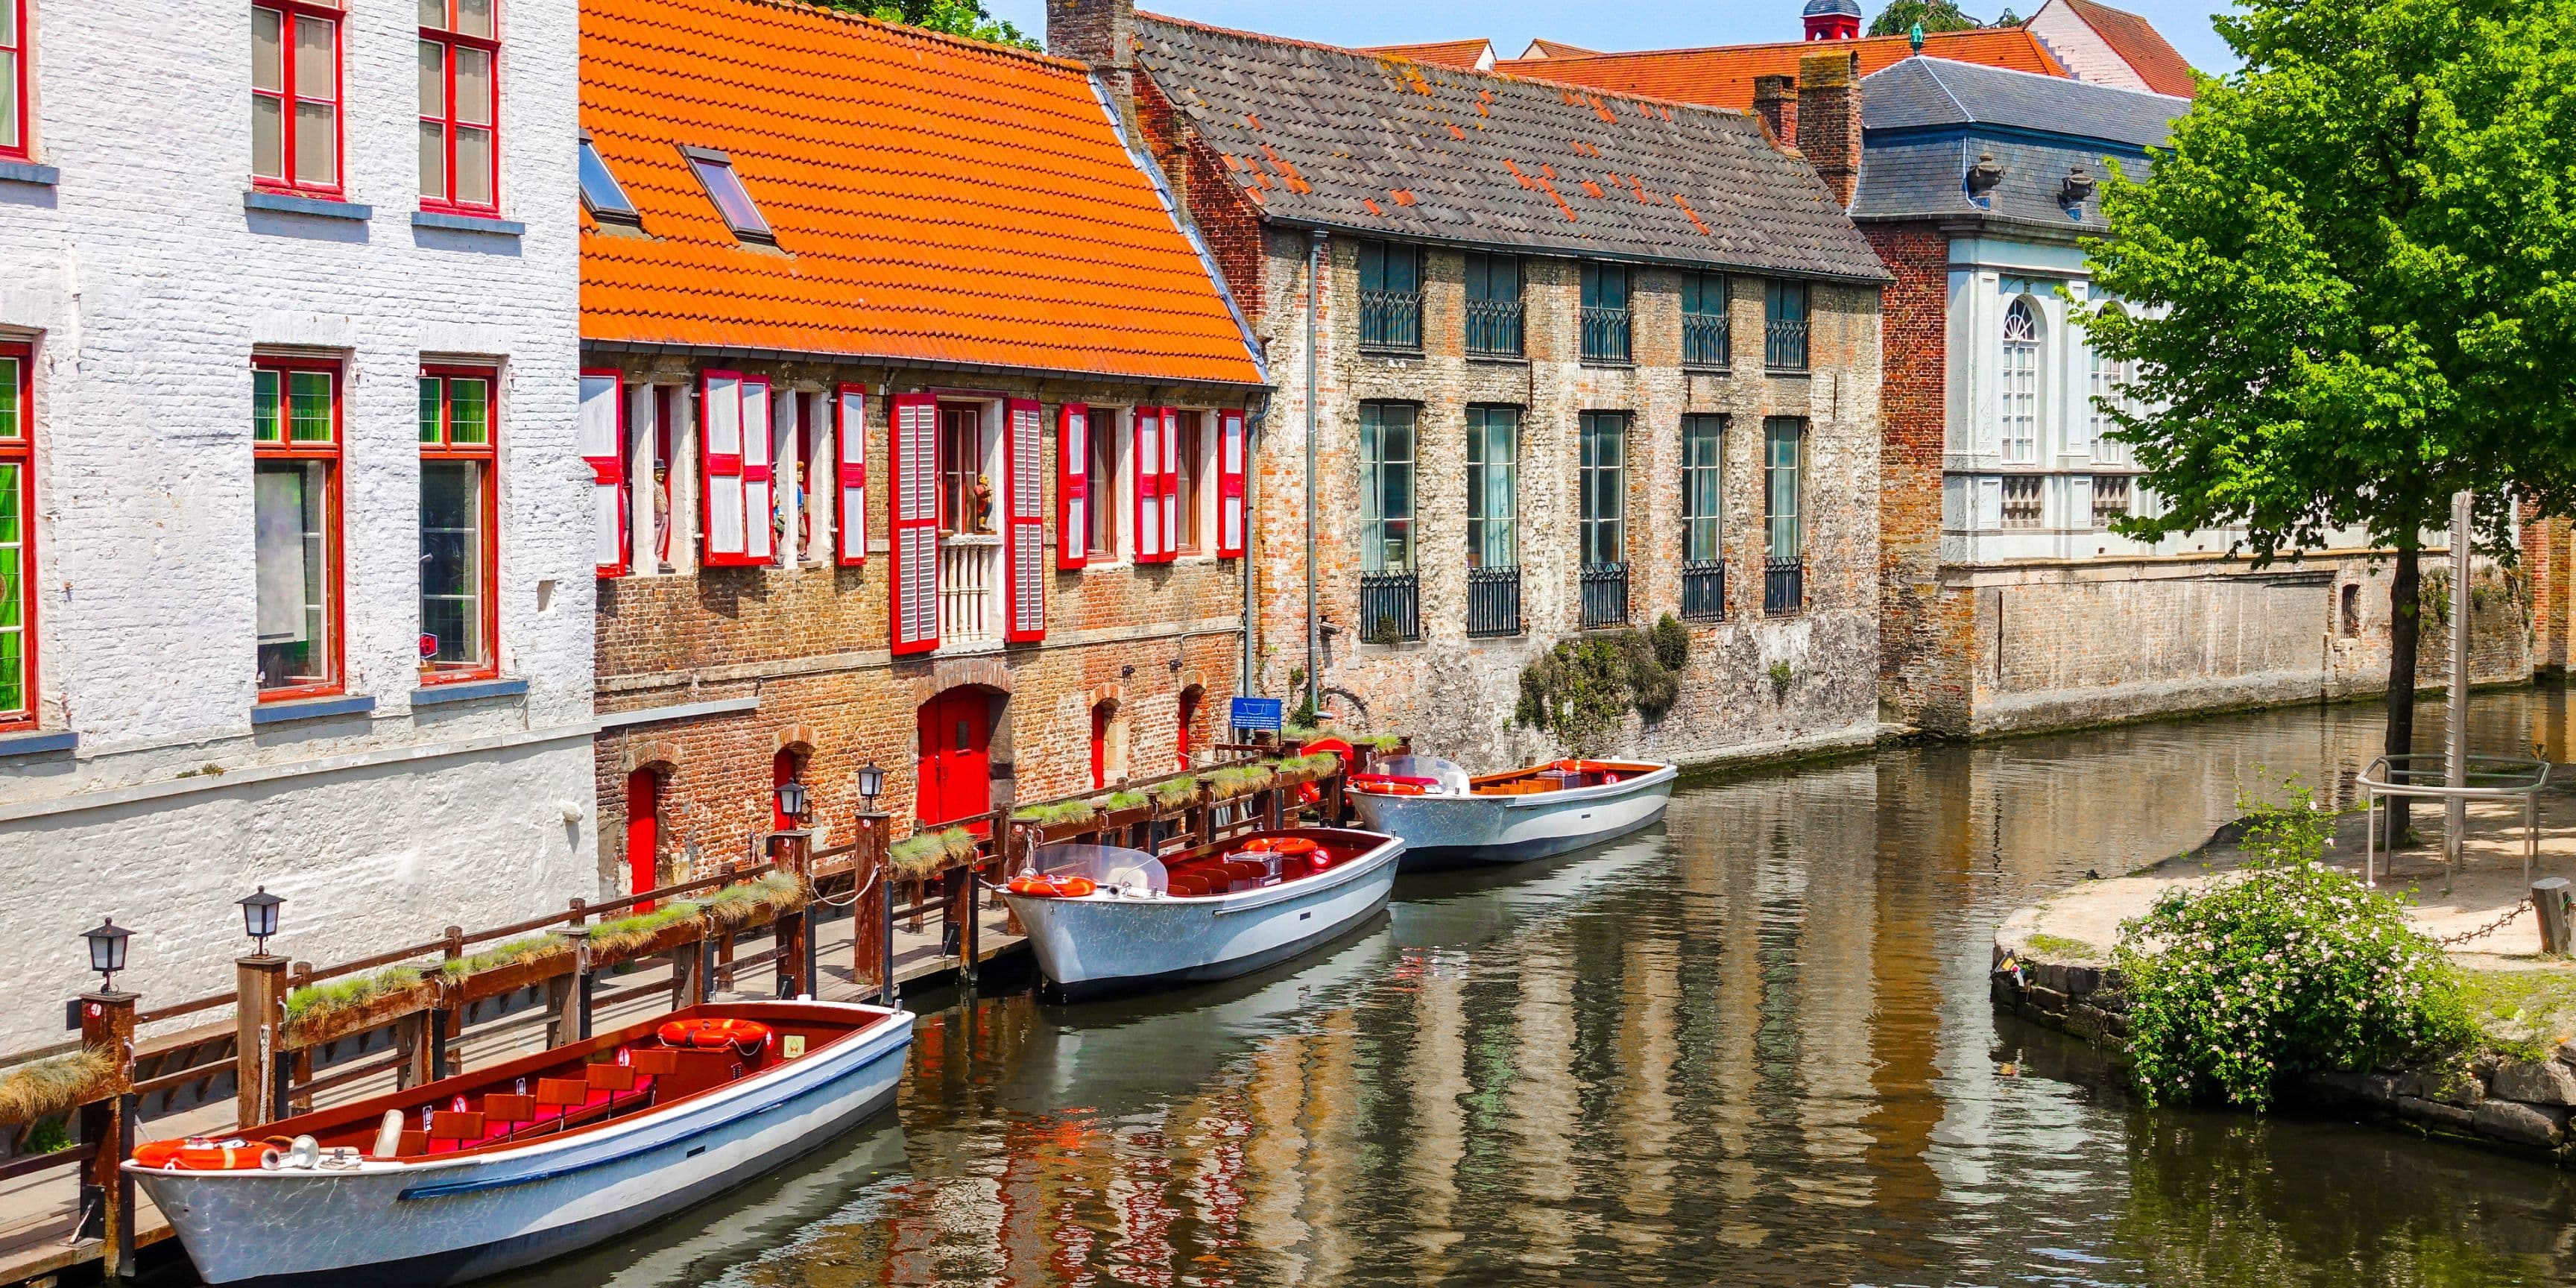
[{"x": 1582, "y": 690}]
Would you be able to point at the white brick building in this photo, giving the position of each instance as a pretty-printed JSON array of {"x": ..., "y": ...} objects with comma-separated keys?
[{"x": 256, "y": 627}]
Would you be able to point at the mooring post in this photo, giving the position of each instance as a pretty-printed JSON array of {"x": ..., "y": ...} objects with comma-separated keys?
[
  {"x": 2550, "y": 896},
  {"x": 790, "y": 851},
  {"x": 107, "y": 1024},
  {"x": 259, "y": 1009},
  {"x": 2455, "y": 735}
]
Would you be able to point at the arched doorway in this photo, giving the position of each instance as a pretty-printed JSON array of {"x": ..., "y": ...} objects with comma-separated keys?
[
  {"x": 1191, "y": 698},
  {"x": 643, "y": 833},
  {"x": 783, "y": 769},
  {"x": 955, "y": 770}
]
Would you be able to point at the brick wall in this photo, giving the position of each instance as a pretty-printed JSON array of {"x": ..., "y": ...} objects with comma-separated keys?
[
  {"x": 2546, "y": 570},
  {"x": 1923, "y": 639},
  {"x": 1203, "y": 181}
]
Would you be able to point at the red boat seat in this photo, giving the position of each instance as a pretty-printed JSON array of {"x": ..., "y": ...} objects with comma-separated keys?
[
  {"x": 509, "y": 1108},
  {"x": 611, "y": 1077},
  {"x": 454, "y": 1127},
  {"x": 412, "y": 1144},
  {"x": 654, "y": 1061}
]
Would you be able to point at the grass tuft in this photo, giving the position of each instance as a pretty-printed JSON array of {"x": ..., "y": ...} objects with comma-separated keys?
[{"x": 53, "y": 1085}]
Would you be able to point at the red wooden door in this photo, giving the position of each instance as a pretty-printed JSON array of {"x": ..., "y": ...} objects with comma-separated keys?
[
  {"x": 643, "y": 833},
  {"x": 956, "y": 768},
  {"x": 1100, "y": 746}
]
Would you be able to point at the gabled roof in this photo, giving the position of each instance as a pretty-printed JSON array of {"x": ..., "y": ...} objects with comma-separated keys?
[
  {"x": 1469, "y": 55},
  {"x": 1930, "y": 92},
  {"x": 934, "y": 199},
  {"x": 2137, "y": 42},
  {"x": 1318, "y": 136},
  {"x": 1722, "y": 76},
  {"x": 1556, "y": 49}
]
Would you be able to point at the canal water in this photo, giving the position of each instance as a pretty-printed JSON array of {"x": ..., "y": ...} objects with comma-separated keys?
[{"x": 1751, "y": 1046}]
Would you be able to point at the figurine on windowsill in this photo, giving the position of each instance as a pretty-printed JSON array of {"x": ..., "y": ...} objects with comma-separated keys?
[{"x": 983, "y": 503}]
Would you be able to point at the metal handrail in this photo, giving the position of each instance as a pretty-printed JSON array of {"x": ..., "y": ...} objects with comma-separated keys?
[{"x": 2514, "y": 776}]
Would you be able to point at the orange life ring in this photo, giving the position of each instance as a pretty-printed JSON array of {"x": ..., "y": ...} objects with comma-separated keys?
[
  {"x": 1295, "y": 845},
  {"x": 1257, "y": 845},
  {"x": 1046, "y": 886},
  {"x": 201, "y": 1154},
  {"x": 713, "y": 1033}
]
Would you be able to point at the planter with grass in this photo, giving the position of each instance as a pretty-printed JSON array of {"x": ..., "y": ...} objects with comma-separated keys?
[{"x": 318, "y": 1013}]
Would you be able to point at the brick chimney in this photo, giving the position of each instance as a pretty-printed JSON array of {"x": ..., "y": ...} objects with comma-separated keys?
[
  {"x": 1829, "y": 118},
  {"x": 1775, "y": 100},
  {"x": 1099, "y": 32}
]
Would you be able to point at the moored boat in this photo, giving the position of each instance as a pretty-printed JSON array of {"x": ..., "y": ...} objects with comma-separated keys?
[
  {"x": 529, "y": 1158},
  {"x": 1104, "y": 919},
  {"x": 1447, "y": 818}
]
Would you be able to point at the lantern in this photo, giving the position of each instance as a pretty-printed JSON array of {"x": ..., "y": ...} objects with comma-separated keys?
[
  {"x": 259, "y": 916},
  {"x": 791, "y": 801},
  {"x": 107, "y": 951},
  {"x": 871, "y": 784}
]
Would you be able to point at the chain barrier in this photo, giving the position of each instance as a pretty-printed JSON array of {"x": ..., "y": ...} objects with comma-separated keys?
[
  {"x": 856, "y": 892},
  {"x": 2487, "y": 929}
]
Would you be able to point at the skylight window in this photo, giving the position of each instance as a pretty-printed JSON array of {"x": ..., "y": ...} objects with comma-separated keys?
[
  {"x": 601, "y": 194},
  {"x": 724, "y": 187}
]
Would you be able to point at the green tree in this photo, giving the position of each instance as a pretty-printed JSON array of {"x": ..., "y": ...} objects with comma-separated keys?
[
  {"x": 2349, "y": 286},
  {"x": 1899, "y": 17},
  {"x": 954, "y": 17}
]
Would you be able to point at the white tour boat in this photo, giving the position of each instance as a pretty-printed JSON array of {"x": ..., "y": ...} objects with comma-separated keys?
[
  {"x": 1447, "y": 818},
  {"x": 1104, "y": 919},
  {"x": 530, "y": 1158}
]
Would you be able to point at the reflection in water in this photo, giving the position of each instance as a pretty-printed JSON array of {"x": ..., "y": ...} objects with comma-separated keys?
[{"x": 1753, "y": 1046}]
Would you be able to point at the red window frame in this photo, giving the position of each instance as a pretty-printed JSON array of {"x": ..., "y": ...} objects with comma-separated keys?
[
  {"x": 451, "y": 38},
  {"x": 20, "y": 52},
  {"x": 18, "y": 448},
  {"x": 488, "y": 581},
  {"x": 290, "y": 13},
  {"x": 335, "y": 561},
  {"x": 608, "y": 468}
]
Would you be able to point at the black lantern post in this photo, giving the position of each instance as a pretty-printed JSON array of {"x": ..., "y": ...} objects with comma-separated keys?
[
  {"x": 107, "y": 951},
  {"x": 259, "y": 917},
  {"x": 871, "y": 785}
]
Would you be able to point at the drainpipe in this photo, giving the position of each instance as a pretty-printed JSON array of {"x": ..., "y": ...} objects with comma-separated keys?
[
  {"x": 1252, "y": 419},
  {"x": 1314, "y": 301}
]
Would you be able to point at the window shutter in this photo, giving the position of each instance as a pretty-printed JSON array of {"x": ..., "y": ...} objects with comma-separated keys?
[
  {"x": 759, "y": 505},
  {"x": 1147, "y": 453},
  {"x": 1171, "y": 493},
  {"x": 913, "y": 457},
  {"x": 720, "y": 458},
  {"x": 599, "y": 429},
  {"x": 1072, "y": 486},
  {"x": 1229, "y": 485},
  {"x": 1024, "y": 527},
  {"x": 850, "y": 435}
]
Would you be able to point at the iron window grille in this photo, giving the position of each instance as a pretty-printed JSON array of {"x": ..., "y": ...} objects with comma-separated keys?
[
  {"x": 1605, "y": 313},
  {"x": 1703, "y": 589},
  {"x": 1708, "y": 341},
  {"x": 1390, "y": 607},
  {"x": 1784, "y": 564},
  {"x": 1493, "y": 602},
  {"x": 1784, "y": 325},
  {"x": 1494, "y": 310},
  {"x": 1389, "y": 592},
  {"x": 2021, "y": 501},
  {"x": 1605, "y": 595},
  {"x": 1784, "y": 586},
  {"x": 1390, "y": 298}
]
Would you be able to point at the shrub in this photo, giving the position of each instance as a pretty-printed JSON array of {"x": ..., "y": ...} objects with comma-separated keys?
[
  {"x": 2284, "y": 969},
  {"x": 1672, "y": 642}
]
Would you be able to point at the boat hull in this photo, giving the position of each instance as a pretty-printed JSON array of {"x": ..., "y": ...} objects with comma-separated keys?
[
  {"x": 1456, "y": 831},
  {"x": 1098, "y": 945},
  {"x": 434, "y": 1223}
]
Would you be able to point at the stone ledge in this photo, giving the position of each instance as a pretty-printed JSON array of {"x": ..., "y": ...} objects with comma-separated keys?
[
  {"x": 429, "y": 695},
  {"x": 279, "y": 203},
  {"x": 29, "y": 172},
  {"x": 269, "y": 713},
  {"x": 38, "y": 742},
  {"x": 490, "y": 225}
]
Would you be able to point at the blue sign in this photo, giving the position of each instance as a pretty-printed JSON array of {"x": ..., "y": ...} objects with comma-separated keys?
[{"x": 1256, "y": 713}]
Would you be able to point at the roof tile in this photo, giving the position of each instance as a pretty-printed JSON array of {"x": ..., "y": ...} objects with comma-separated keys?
[{"x": 1722, "y": 76}]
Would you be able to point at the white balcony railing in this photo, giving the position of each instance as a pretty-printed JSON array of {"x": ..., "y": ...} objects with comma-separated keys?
[{"x": 970, "y": 579}]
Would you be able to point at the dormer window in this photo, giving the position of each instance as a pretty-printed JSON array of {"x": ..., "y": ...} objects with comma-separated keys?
[
  {"x": 601, "y": 194},
  {"x": 715, "y": 170}
]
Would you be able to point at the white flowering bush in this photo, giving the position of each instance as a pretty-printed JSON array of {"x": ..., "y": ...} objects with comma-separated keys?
[{"x": 2286, "y": 968}]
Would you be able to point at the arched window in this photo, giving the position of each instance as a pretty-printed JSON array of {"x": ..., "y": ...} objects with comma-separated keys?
[
  {"x": 2017, "y": 422},
  {"x": 2110, "y": 378}
]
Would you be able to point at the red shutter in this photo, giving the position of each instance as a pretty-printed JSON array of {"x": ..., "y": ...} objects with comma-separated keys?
[
  {"x": 759, "y": 504},
  {"x": 1171, "y": 490},
  {"x": 913, "y": 458},
  {"x": 1072, "y": 486},
  {"x": 1145, "y": 457},
  {"x": 1230, "y": 447},
  {"x": 1024, "y": 526},
  {"x": 601, "y": 429},
  {"x": 720, "y": 439},
  {"x": 850, "y": 438}
]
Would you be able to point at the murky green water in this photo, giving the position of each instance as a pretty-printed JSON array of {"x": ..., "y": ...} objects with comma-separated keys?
[{"x": 1753, "y": 1046}]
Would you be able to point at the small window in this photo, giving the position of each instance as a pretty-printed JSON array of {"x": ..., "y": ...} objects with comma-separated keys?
[
  {"x": 1390, "y": 297},
  {"x": 1784, "y": 325},
  {"x": 13, "y": 80},
  {"x": 2352, "y": 609},
  {"x": 601, "y": 194},
  {"x": 1605, "y": 313},
  {"x": 459, "y": 105},
  {"x": 295, "y": 96},
  {"x": 459, "y": 537},
  {"x": 17, "y": 543},
  {"x": 1192, "y": 473},
  {"x": 1706, "y": 338},
  {"x": 1102, "y": 471},
  {"x": 1386, "y": 486},
  {"x": 1493, "y": 305},
  {"x": 295, "y": 449},
  {"x": 965, "y": 486},
  {"x": 724, "y": 188}
]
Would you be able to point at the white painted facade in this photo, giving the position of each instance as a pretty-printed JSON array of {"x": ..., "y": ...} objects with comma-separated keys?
[
  {"x": 2081, "y": 50},
  {"x": 132, "y": 261}
]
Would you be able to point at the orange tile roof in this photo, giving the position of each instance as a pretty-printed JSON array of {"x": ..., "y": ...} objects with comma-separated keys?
[
  {"x": 1722, "y": 76},
  {"x": 2141, "y": 46},
  {"x": 1467, "y": 55},
  {"x": 1557, "y": 49},
  {"x": 935, "y": 199}
]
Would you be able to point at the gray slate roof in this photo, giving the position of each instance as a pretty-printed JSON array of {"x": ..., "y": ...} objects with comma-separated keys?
[
  {"x": 1319, "y": 136},
  {"x": 2037, "y": 127}
]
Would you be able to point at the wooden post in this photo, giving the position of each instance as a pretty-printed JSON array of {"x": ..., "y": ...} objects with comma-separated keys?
[
  {"x": 107, "y": 1024},
  {"x": 572, "y": 1015},
  {"x": 259, "y": 1013},
  {"x": 724, "y": 937},
  {"x": 791, "y": 852},
  {"x": 869, "y": 923},
  {"x": 2550, "y": 895},
  {"x": 689, "y": 973}
]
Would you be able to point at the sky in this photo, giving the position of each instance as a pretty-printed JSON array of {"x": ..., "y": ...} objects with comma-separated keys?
[{"x": 1606, "y": 25}]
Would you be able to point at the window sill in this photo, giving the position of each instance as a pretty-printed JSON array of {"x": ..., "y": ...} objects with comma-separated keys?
[
  {"x": 29, "y": 172},
  {"x": 1789, "y": 373},
  {"x": 1608, "y": 364},
  {"x": 37, "y": 742},
  {"x": 434, "y": 692},
  {"x": 492, "y": 225},
  {"x": 279, "y": 203},
  {"x": 1693, "y": 369},
  {"x": 1500, "y": 359},
  {"x": 1393, "y": 355},
  {"x": 350, "y": 704},
  {"x": 1103, "y": 563}
]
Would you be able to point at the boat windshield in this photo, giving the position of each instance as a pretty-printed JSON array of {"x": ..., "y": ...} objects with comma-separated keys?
[
  {"x": 1105, "y": 865},
  {"x": 1452, "y": 778}
]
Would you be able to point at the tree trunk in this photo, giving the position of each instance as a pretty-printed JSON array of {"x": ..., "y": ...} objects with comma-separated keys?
[{"x": 2405, "y": 629}]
